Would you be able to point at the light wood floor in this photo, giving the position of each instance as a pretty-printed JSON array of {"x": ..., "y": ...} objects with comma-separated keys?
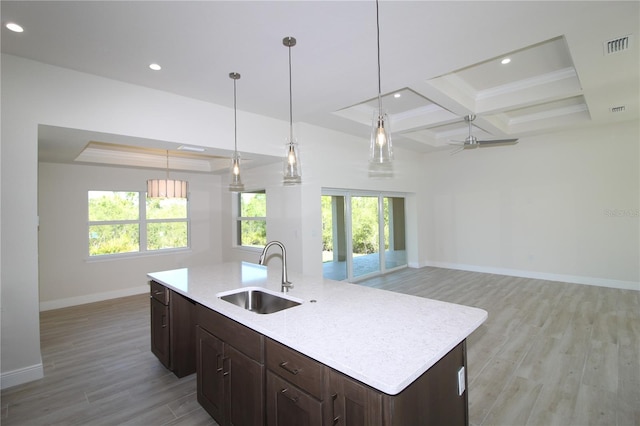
[
  {"x": 99, "y": 370},
  {"x": 550, "y": 353}
]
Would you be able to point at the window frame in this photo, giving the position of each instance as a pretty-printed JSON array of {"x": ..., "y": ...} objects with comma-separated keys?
[
  {"x": 142, "y": 223},
  {"x": 237, "y": 220}
]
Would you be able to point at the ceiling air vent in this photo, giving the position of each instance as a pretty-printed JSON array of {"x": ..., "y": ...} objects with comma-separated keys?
[
  {"x": 617, "y": 45},
  {"x": 617, "y": 109}
]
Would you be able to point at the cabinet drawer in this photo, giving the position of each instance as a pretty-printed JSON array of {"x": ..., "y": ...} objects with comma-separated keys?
[
  {"x": 287, "y": 405},
  {"x": 235, "y": 334},
  {"x": 295, "y": 367},
  {"x": 159, "y": 292}
]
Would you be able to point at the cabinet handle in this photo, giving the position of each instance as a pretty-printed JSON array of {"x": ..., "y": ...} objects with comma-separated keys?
[
  {"x": 164, "y": 321},
  {"x": 293, "y": 399},
  {"x": 284, "y": 365},
  {"x": 334, "y": 396},
  {"x": 218, "y": 364},
  {"x": 226, "y": 360}
]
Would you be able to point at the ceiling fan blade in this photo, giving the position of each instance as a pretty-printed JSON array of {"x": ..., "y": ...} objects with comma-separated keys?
[
  {"x": 497, "y": 142},
  {"x": 457, "y": 150}
]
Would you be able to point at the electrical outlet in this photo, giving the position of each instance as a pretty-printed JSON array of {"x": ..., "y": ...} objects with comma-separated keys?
[{"x": 461, "y": 381}]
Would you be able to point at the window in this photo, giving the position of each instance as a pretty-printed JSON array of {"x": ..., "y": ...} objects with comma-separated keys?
[
  {"x": 251, "y": 219},
  {"x": 119, "y": 224}
]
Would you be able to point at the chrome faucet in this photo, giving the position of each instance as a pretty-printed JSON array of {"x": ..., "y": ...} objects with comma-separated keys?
[{"x": 286, "y": 285}]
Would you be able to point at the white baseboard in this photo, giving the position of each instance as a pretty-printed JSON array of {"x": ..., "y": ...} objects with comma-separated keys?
[
  {"x": 90, "y": 298},
  {"x": 574, "y": 279},
  {"x": 20, "y": 376}
]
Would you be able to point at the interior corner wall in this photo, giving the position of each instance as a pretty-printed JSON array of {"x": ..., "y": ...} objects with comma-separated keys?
[
  {"x": 68, "y": 276},
  {"x": 283, "y": 216},
  {"x": 560, "y": 206},
  {"x": 36, "y": 94}
]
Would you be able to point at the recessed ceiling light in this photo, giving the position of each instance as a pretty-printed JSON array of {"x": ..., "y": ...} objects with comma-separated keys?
[
  {"x": 397, "y": 95},
  {"x": 155, "y": 67},
  {"x": 505, "y": 61},
  {"x": 14, "y": 27}
]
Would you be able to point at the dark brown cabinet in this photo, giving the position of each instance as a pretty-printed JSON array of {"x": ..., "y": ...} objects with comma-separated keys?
[
  {"x": 432, "y": 399},
  {"x": 230, "y": 370},
  {"x": 294, "y": 387},
  {"x": 353, "y": 403},
  {"x": 247, "y": 379},
  {"x": 160, "y": 323},
  {"x": 173, "y": 330},
  {"x": 289, "y": 405},
  {"x": 210, "y": 377},
  {"x": 302, "y": 391}
]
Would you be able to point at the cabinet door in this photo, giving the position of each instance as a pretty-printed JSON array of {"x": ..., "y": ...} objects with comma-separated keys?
[
  {"x": 182, "y": 334},
  {"x": 351, "y": 403},
  {"x": 160, "y": 332},
  {"x": 289, "y": 406},
  {"x": 210, "y": 375},
  {"x": 245, "y": 389}
]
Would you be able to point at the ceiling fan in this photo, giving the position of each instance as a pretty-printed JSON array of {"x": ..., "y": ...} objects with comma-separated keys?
[{"x": 472, "y": 142}]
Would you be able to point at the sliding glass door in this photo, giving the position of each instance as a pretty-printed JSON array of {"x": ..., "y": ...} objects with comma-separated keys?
[
  {"x": 395, "y": 250},
  {"x": 363, "y": 234}
]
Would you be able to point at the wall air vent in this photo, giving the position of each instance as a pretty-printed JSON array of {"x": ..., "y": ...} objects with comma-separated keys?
[
  {"x": 620, "y": 108},
  {"x": 617, "y": 45}
]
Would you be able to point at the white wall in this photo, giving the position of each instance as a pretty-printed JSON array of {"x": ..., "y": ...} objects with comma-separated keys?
[
  {"x": 67, "y": 276},
  {"x": 560, "y": 206}
]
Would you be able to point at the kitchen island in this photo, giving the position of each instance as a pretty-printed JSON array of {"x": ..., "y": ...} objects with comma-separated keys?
[{"x": 384, "y": 340}]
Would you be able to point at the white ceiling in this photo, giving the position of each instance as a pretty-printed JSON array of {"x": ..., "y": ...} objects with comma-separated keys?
[{"x": 443, "y": 57}]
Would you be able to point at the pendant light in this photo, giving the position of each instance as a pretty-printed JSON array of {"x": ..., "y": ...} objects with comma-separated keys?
[
  {"x": 236, "y": 184},
  {"x": 381, "y": 151},
  {"x": 166, "y": 188},
  {"x": 292, "y": 167}
]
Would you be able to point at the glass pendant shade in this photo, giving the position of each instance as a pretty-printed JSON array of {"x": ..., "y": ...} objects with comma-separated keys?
[
  {"x": 292, "y": 166},
  {"x": 381, "y": 150},
  {"x": 167, "y": 188},
  {"x": 236, "y": 184},
  {"x": 292, "y": 170}
]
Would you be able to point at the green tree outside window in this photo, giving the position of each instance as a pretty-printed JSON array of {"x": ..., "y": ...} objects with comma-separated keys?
[{"x": 116, "y": 220}]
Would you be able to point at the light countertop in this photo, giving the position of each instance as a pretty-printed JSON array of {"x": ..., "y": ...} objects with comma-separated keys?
[{"x": 381, "y": 338}]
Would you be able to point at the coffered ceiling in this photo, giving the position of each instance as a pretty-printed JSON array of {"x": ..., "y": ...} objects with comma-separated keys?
[{"x": 573, "y": 63}]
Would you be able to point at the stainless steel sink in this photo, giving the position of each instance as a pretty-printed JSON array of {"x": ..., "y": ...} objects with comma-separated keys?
[{"x": 258, "y": 300}]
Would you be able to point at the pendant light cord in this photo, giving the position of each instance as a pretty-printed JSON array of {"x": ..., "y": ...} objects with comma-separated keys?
[
  {"x": 378, "y": 37},
  {"x": 290, "y": 101},
  {"x": 235, "y": 120}
]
